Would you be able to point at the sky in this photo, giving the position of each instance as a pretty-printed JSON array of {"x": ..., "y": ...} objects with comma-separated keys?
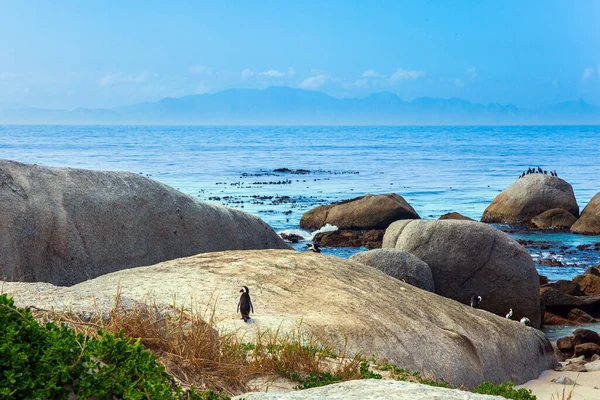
[{"x": 96, "y": 54}]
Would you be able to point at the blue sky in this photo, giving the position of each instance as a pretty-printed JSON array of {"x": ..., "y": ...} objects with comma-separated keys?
[{"x": 66, "y": 54}]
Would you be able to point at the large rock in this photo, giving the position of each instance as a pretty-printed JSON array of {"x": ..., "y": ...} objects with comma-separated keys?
[
  {"x": 530, "y": 196},
  {"x": 470, "y": 258},
  {"x": 64, "y": 225},
  {"x": 589, "y": 222},
  {"x": 362, "y": 213},
  {"x": 336, "y": 299},
  {"x": 556, "y": 218},
  {"x": 371, "y": 389},
  {"x": 400, "y": 265},
  {"x": 589, "y": 284}
]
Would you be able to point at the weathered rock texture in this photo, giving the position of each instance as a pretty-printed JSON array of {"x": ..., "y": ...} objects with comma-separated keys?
[
  {"x": 530, "y": 196},
  {"x": 370, "y": 239},
  {"x": 470, "y": 258},
  {"x": 589, "y": 284},
  {"x": 556, "y": 218},
  {"x": 589, "y": 222},
  {"x": 400, "y": 265},
  {"x": 362, "y": 213},
  {"x": 335, "y": 299},
  {"x": 372, "y": 389},
  {"x": 575, "y": 308},
  {"x": 64, "y": 225}
]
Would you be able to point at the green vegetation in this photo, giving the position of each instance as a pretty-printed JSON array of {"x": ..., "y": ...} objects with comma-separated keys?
[
  {"x": 41, "y": 362},
  {"x": 146, "y": 353},
  {"x": 506, "y": 390}
]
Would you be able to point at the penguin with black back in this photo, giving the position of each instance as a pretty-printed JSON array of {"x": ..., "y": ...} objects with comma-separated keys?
[
  {"x": 245, "y": 304},
  {"x": 475, "y": 301},
  {"x": 315, "y": 248}
]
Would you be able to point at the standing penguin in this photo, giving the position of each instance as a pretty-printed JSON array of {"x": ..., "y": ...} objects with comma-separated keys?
[
  {"x": 510, "y": 314},
  {"x": 475, "y": 300},
  {"x": 245, "y": 304}
]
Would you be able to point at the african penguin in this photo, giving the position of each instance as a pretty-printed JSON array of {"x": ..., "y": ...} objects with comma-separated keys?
[
  {"x": 525, "y": 321},
  {"x": 510, "y": 314},
  {"x": 475, "y": 300},
  {"x": 245, "y": 304},
  {"x": 315, "y": 248}
]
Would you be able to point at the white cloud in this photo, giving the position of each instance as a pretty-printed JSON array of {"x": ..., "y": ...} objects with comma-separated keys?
[
  {"x": 405, "y": 75},
  {"x": 359, "y": 83},
  {"x": 314, "y": 81},
  {"x": 201, "y": 88},
  {"x": 587, "y": 74},
  {"x": 113, "y": 79},
  {"x": 472, "y": 73},
  {"x": 459, "y": 83},
  {"x": 371, "y": 73},
  {"x": 273, "y": 73},
  {"x": 201, "y": 70},
  {"x": 247, "y": 73}
]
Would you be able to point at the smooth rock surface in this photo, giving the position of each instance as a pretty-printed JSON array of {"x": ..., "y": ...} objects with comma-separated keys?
[
  {"x": 65, "y": 225},
  {"x": 455, "y": 215},
  {"x": 361, "y": 213},
  {"x": 530, "y": 196},
  {"x": 555, "y": 218},
  {"x": 335, "y": 299},
  {"x": 372, "y": 389},
  {"x": 593, "y": 366},
  {"x": 589, "y": 222},
  {"x": 400, "y": 265},
  {"x": 471, "y": 258}
]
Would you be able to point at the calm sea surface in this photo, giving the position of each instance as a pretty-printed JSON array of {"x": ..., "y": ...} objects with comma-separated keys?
[{"x": 436, "y": 169}]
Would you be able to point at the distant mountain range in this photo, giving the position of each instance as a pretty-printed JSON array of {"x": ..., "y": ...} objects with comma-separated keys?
[{"x": 289, "y": 106}]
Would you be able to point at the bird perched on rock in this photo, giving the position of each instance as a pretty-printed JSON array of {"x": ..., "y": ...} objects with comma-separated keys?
[
  {"x": 510, "y": 314},
  {"x": 315, "y": 248},
  {"x": 525, "y": 321},
  {"x": 475, "y": 300},
  {"x": 245, "y": 304}
]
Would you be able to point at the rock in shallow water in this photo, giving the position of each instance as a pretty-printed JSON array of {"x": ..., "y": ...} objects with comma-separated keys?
[
  {"x": 530, "y": 196},
  {"x": 589, "y": 222},
  {"x": 362, "y": 213}
]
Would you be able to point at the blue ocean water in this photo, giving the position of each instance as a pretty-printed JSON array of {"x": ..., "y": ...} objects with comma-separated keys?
[{"x": 436, "y": 169}]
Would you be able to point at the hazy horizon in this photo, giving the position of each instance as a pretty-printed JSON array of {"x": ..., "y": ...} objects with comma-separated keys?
[{"x": 110, "y": 54}]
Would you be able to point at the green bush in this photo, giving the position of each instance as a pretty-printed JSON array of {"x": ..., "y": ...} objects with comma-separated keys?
[
  {"x": 506, "y": 390},
  {"x": 42, "y": 362}
]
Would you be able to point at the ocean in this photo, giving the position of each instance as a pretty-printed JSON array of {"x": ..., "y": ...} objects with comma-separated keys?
[{"x": 436, "y": 169}]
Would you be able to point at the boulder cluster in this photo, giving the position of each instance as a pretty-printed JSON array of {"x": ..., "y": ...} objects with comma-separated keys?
[
  {"x": 580, "y": 352},
  {"x": 544, "y": 202},
  {"x": 573, "y": 302}
]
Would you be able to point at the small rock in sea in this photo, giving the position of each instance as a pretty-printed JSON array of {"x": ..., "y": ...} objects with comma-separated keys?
[{"x": 564, "y": 380}]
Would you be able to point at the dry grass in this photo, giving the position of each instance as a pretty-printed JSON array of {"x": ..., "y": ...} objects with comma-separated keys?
[
  {"x": 564, "y": 395},
  {"x": 195, "y": 353}
]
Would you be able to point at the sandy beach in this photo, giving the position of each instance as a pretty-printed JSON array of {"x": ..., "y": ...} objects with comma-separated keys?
[{"x": 587, "y": 387}]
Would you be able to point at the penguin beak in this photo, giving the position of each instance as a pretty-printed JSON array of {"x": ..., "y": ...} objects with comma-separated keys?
[{"x": 241, "y": 290}]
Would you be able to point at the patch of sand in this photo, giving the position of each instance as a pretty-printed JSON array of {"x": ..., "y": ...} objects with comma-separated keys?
[{"x": 587, "y": 388}]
